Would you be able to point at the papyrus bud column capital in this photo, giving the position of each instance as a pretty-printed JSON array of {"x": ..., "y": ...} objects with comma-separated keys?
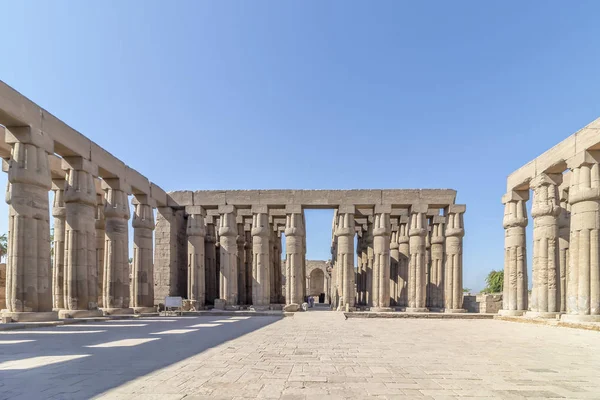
[
  {"x": 81, "y": 271},
  {"x": 116, "y": 291},
  {"x": 28, "y": 280},
  {"x": 196, "y": 235},
  {"x": 515, "y": 297},
  {"x": 381, "y": 260},
  {"x": 417, "y": 232},
  {"x": 583, "y": 285},
  {"x": 294, "y": 248},
  {"x": 453, "y": 271},
  {"x": 260, "y": 263}
]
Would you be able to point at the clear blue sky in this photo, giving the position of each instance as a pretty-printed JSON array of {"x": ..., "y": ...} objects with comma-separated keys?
[{"x": 338, "y": 95}]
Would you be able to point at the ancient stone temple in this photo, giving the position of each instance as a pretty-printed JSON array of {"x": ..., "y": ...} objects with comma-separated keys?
[
  {"x": 564, "y": 187},
  {"x": 412, "y": 277},
  {"x": 224, "y": 249}
]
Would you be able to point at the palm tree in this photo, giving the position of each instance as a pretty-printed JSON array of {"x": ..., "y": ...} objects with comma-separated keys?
[{"x": 3, "y": 245}]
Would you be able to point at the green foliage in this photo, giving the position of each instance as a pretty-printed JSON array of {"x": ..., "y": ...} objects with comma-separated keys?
[
  {"x": 494, "y": 281},
  {"x": 466, "y": 290},
  {"x": 3, "y": 245}
]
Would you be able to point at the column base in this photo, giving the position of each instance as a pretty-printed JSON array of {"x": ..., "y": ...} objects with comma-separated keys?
[
  {"x": 291, "y": 307},
  {"x": 144, "y": 310},
  {"x": 17, "y": 316},
  {"x": 455, "y": 310},
  {"x": 220, "y": 304},
  {"x": 579, "y": 318},
  {"x": 67, "y": 314},
  {"x": 511, "y": 313},
  {"x": 259, "y": 308},
  {"x": 382, "y": 309},
  {"x": 276, "y": 306},
  {"x": 544, "y": 315},
  {"x": 416, "y": 309},
  {"x": 117, "y": 311}
]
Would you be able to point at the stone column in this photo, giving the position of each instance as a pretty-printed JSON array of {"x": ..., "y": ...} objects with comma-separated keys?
[
  {"x": 196, "y": 235},
  {"x": 359, "y": 271},
  {"x": 260, "y": 263},
  {"x": 241, "y": 260},
  {"x": 394, "y": 256},
  {"x": 59, "y": 213},
  {"x": 583, "y": 285},
  {"x": 28, "y": 279},
  {"x": 100, "y": 226},
  {"x": 428, "y": 261},
  {"x": 294, "y": 258},
  {"x": 416, "y": 274},
  {"x": 210, "y": 259},
  {"x": 455, "y": 231},
  {"x": 248, "y": 261},
  {"x": 403, "y": 260},
  {"x": 436, "y": 275},
  {"x": 369, "y": 265},
  {"x": 81, "y": 276},
  {"x": 564, "y": 232},
  {"x": 381, "y": 265},
  {"x": 116, "y": 255},
  {"x": 272, "y": 275},
  {"x": 304, "y": 289},
  {"x": 142, "y": 280},
  {"x": 515, "y": 297},
  {"x": 345, "y": 256},
  {"x": 279, "y": 284},
  {"x": 545, "y": 294},
  {"x": 228, "y": 268}
]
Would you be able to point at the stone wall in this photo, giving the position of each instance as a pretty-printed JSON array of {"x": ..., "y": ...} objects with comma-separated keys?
[
  {"x": 170, "y": 255},
  {"x": 2, "y": 286},
  {"x": 483, "y": 303}
]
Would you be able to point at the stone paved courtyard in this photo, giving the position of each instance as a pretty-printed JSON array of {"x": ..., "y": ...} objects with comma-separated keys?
[{"x": 317, "y": 354}]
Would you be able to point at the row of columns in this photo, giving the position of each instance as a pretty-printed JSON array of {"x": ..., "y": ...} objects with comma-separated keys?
[
  {"x": 566, "y": 244},
  {"x": 90, "y": 268},
  {"x": 233, "y": 263},
  {"x": 396, "y": 267}
]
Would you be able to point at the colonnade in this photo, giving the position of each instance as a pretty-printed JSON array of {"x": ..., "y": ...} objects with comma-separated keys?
[
  {"x": 566, "y": 243},
  {"x": 88, "y": 272},
  {"x": 396, "y": 268}
]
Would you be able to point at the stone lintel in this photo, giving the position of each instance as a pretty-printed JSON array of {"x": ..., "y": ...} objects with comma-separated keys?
[
  {"x": 546, "y": 179},
  {"x": 138, "y": 182},
  {"x": 116, "y": 184},
  {"x": 181, "y": 198},
  {"x": 346, "y": 209},
  {"x": 226, "y": 209},
  {"x": 398, "y": 212},
  {"x": 260, "y": 209},
  {"x": 79, "y": 164},
  {"x": 158, "y": 194},
  {"x": 432, "y": 212},
  {"x": 58, "y": 184},
  {"x": 583, "y": 157},
  {"x": 5, "y": 165},
  {"x": 419, "y": 208},
  {"x": 403, "y": 219},
  {"x": 29, "y": 135},
  {"x": 457, "y": 208},
  {"x": 383, "y": 208},
  {"x": 364, "y": 211},
  {"x": 195, "y": 210},
  {"x": 239, "y": 219},
  {"x": 244, "y": 212},
  {"x": 515, "y": 195},
  {"x": 142, "y": 199},
  {"x": 212, "y": 212},
  {"x": 210, "y": 220},
  {"x": 439, "y": 219},
  {"x": 293, "y": 209},
  {"x": 360, "y": 220}
]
